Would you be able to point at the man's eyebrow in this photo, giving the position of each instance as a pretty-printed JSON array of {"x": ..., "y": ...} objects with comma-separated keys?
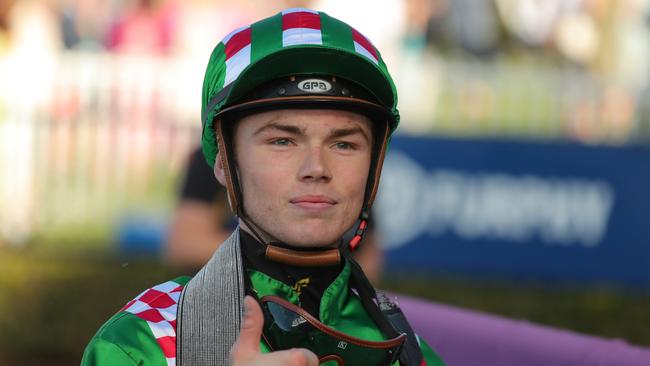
[
  {"x": 294, "y": 130},
  {"x": 343, "y": 132}
]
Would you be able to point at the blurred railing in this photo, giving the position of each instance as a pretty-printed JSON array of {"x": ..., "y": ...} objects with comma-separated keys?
[
  {"x": 85, "y": 138},
  {"x": 104, "y": 136}
]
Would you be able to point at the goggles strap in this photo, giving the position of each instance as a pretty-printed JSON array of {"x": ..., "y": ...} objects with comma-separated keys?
[
  {"x": 411, "y": 353},
  {"x": 368, "y": 298},
  {"x": 387, "y": 315}
]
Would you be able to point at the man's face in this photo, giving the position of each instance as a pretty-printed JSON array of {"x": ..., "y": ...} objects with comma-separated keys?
[{"x": 303, "y": 172}]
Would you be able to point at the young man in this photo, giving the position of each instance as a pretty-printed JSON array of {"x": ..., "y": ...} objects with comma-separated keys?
[
  {"x": 202, "y": 221},
  {"x": 297, "y": 112}
]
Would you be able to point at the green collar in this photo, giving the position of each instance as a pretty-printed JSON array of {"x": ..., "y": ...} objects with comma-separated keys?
[{"x": 333, "y": 300}]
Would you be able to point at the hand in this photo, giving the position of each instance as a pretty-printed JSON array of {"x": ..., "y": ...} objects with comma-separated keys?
[{"x": 246, "y": 350}]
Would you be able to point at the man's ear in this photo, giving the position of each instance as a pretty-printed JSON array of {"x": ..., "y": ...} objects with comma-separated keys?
[{"x": 219, "y": 172}]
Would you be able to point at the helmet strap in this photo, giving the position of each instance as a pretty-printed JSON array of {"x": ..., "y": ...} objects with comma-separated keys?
[
  {"x": 376, "y": 162},
  {"x": 228, "y": 163},
  {"x": 361, "y": 230},
  {"x": 382, "y": 132}
]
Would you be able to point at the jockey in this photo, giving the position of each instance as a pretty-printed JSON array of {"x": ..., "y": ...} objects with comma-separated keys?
[{"x": 297, "y": 113}]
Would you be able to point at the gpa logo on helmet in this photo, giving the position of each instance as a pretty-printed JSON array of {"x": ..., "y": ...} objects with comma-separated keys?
[{"x": 314, "y": 86}]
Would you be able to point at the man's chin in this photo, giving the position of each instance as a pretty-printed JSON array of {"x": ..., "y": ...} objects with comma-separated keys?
[{"x": 314, "y": 240}]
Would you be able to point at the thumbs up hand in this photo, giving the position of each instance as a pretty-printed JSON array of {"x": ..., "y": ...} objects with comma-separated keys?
[{"x": 246, "y": 350}]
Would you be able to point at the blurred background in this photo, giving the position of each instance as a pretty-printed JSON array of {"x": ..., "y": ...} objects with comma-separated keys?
[{"x": 518, "y": 184}]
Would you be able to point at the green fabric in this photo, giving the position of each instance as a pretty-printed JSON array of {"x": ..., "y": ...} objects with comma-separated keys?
[
  {"x": 127, "y": 340},
  {"x": 266, "y": 36},
  {"x": 124, "y": 340},
  {"x": 339, "y": 309},
  {"x": 431, "y": 358},
  {"x": 336, "y": 33},
  {"x": 212, "y": 83},
  {"x": 270, "y": 60}
]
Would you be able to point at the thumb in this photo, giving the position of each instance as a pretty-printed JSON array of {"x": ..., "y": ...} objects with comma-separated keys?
[{"x": 248, "y": 343}]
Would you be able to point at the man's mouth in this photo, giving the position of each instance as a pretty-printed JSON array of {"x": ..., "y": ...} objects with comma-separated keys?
[{"x": 313, "y": 202}]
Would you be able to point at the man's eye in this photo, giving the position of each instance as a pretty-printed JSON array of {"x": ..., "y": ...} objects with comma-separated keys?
[
  {"x": 281, "y": 142},
  {"x": 344, "y": 146}
]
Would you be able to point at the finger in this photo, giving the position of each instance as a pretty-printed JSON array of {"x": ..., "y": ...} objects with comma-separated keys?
[
  {"x": 248, "y": 342},
  {"x": 291, "y": 357}
]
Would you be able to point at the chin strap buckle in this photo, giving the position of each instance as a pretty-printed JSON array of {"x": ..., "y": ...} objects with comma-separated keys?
[
  {"x": 363, "y": 224},
  {"x": 302, "y": 258}
]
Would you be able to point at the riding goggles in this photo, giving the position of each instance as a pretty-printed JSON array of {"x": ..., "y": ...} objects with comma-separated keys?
[{"x": 286, "y": 326}]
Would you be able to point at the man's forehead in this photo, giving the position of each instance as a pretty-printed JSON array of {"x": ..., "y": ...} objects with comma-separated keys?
[{"x": 309, "y": 119}]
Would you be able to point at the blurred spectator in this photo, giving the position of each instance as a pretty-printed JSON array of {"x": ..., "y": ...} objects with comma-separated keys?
[
  {"x": 476, "y": 26},
  {"x": 5, "y": 7},
  {"x": 33, "y": 28},
  {"x": 68, "y": 28},
  {"x": 576, "y": 36},
  {"x": 384, "y": 25},
  {"x": 146, "y": 28},
  {"x": 438, "y": 31},
  {"x": 202, "y": 219},
  {"x": 418, "y": 13},
  {"x": 85, "y": 23},
  {"x": 201, "y": 22},
  {"x": 531, "y": 21}
]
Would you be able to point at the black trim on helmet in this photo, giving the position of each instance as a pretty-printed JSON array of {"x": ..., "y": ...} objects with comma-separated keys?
[
  {"x": 306, "y": 91},
  {"x": 309, "y": 92}
]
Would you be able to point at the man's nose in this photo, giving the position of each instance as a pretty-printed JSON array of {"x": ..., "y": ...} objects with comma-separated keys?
[{"x": 314, "y": 166}]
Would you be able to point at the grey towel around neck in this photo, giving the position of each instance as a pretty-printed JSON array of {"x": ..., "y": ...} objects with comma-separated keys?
[{"x": 210, "y": 309}]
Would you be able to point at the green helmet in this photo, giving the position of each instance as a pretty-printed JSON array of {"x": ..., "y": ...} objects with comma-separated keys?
[
  {"x": 293, "y": 42},
  {"x": 298, "y": 58}
]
